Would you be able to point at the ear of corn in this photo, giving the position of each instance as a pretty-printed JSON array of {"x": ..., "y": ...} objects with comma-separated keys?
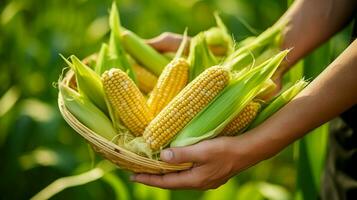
[
  {"x": 86, "y": 112},
  {"x": 190, "y": 101},
  {"x": 242, "y": 120},
  {"x": 116, "y": 49},
  {"x": 88, "y": 82},
  {"x": 200, "y": 57},
  {"x": 143, "y": 53},
  {"x": 126, "y": 100},
  {"x": 146, "y": 79},
  {"x": 267, "y": 91},
  {"x": 171, "y": 81},
  {"x": 227, "y": 105},
  {"x": 219, "y": 37},
  {"x": 284, "y": 98}
]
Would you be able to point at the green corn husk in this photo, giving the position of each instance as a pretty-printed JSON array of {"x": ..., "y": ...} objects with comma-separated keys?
[
  {"x": 182, "y": 46},
  {"x": 116, "y": 49},
  {"x": 210, "y": 122},
  {"x": 107, "y": 60},
  {"x": 219, "y": 36},
  {"x": 200, "y": 56},
  {"x": 86, "y": 112},
  {"x": 269, "y": 39},
  {"x": 143, "y": 53},
  {"x": 102, "y": 60},
  {"x": 88, "y": 82},
  {"x": 284, "y": 98},
  {"x": 245, "y": 42}
]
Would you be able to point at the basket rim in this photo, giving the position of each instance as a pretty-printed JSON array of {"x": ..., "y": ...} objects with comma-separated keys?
[{"x": 108, "y": 146}]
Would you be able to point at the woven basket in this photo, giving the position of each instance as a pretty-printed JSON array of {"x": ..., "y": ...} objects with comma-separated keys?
[{"x": 121, "y": 157}]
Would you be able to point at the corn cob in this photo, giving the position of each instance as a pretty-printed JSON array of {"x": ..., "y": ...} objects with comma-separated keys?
[
  {"x": 126, "y": 100},
  {"x": 146, "y": 79},
  {"x": 242, "y": 120},
  {"x": 172, "y": 80},
  {"x": 185, "y": 106}
]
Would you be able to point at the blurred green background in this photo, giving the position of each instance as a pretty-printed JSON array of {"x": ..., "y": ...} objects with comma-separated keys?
[{"x": 37, "y": 146}]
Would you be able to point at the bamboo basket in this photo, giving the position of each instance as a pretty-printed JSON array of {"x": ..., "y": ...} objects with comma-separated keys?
[{"x": 123, "y": 158}]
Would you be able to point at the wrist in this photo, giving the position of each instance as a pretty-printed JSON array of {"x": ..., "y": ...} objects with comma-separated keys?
[{"x": 249, "y": 149}]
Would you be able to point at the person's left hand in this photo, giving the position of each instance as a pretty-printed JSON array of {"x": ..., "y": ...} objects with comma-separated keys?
[{"x": 214, "y": 162}]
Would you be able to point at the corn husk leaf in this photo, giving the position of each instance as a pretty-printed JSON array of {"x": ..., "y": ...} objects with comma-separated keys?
[
  {"x": 182, "y": 46},
  {"x": 284, "y": 98},
  {"x": 116, "y": 49},
  {"x": 143, "y": 53},
  {"x": 200, "y": 56},
  {"x": 269, "y": 39},
  {"x": 106, "y": 61},
  {"x": 210, "y": 122}
]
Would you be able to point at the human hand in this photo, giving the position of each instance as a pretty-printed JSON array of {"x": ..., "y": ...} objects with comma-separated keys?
[
  {"x": 214, "y": 163},
  {"x": 170, "y": 42},
  {"x": 166, "y": 42}
]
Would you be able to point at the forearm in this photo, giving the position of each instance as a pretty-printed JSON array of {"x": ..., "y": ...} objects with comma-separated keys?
[
  {"x": 334, "y": 91},
  {"x": 312, "y": 22}
]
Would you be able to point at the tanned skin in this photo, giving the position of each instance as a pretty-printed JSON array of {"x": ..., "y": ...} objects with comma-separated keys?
[{"x": 311, "y": 22}]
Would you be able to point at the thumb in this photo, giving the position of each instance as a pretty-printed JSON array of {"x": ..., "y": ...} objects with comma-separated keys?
[{"x": 180, "y": 155}]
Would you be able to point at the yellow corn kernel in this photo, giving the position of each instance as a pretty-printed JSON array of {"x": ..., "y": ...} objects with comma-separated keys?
[
  {"x": 172, "y": 80},
  {"x": 242, "y": 120},
  {"x": 185, "y": 106},
  {"x": 126, "y": 100},
  {"x": 146, "y": 79}
]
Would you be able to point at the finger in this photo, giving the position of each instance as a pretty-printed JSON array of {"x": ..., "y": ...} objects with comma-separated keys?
[
  {"x": 193, "y": 153},
  {"x": 179, "y": 180}
]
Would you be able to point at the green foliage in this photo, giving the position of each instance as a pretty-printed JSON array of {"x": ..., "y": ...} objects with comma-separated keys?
[{"x": 37, "y": 147}]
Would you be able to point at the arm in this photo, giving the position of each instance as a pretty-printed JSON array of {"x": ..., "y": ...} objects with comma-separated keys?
[
  {"x": 311, "y": 23},
  {"x": 331, "y": 93},
  {"x": 217, "y": 160}
]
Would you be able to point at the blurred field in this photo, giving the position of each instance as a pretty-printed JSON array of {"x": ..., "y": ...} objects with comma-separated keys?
[{"x": 38, "y": 147}]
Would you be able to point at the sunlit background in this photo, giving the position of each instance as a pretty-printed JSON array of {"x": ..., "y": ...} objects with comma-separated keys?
[{"x": 37, "y": 147}]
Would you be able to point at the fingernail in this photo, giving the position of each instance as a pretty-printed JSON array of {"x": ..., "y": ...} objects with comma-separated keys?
[
  {"x": 132, "y": 177},
  {"x": 167, "y": 154}
]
